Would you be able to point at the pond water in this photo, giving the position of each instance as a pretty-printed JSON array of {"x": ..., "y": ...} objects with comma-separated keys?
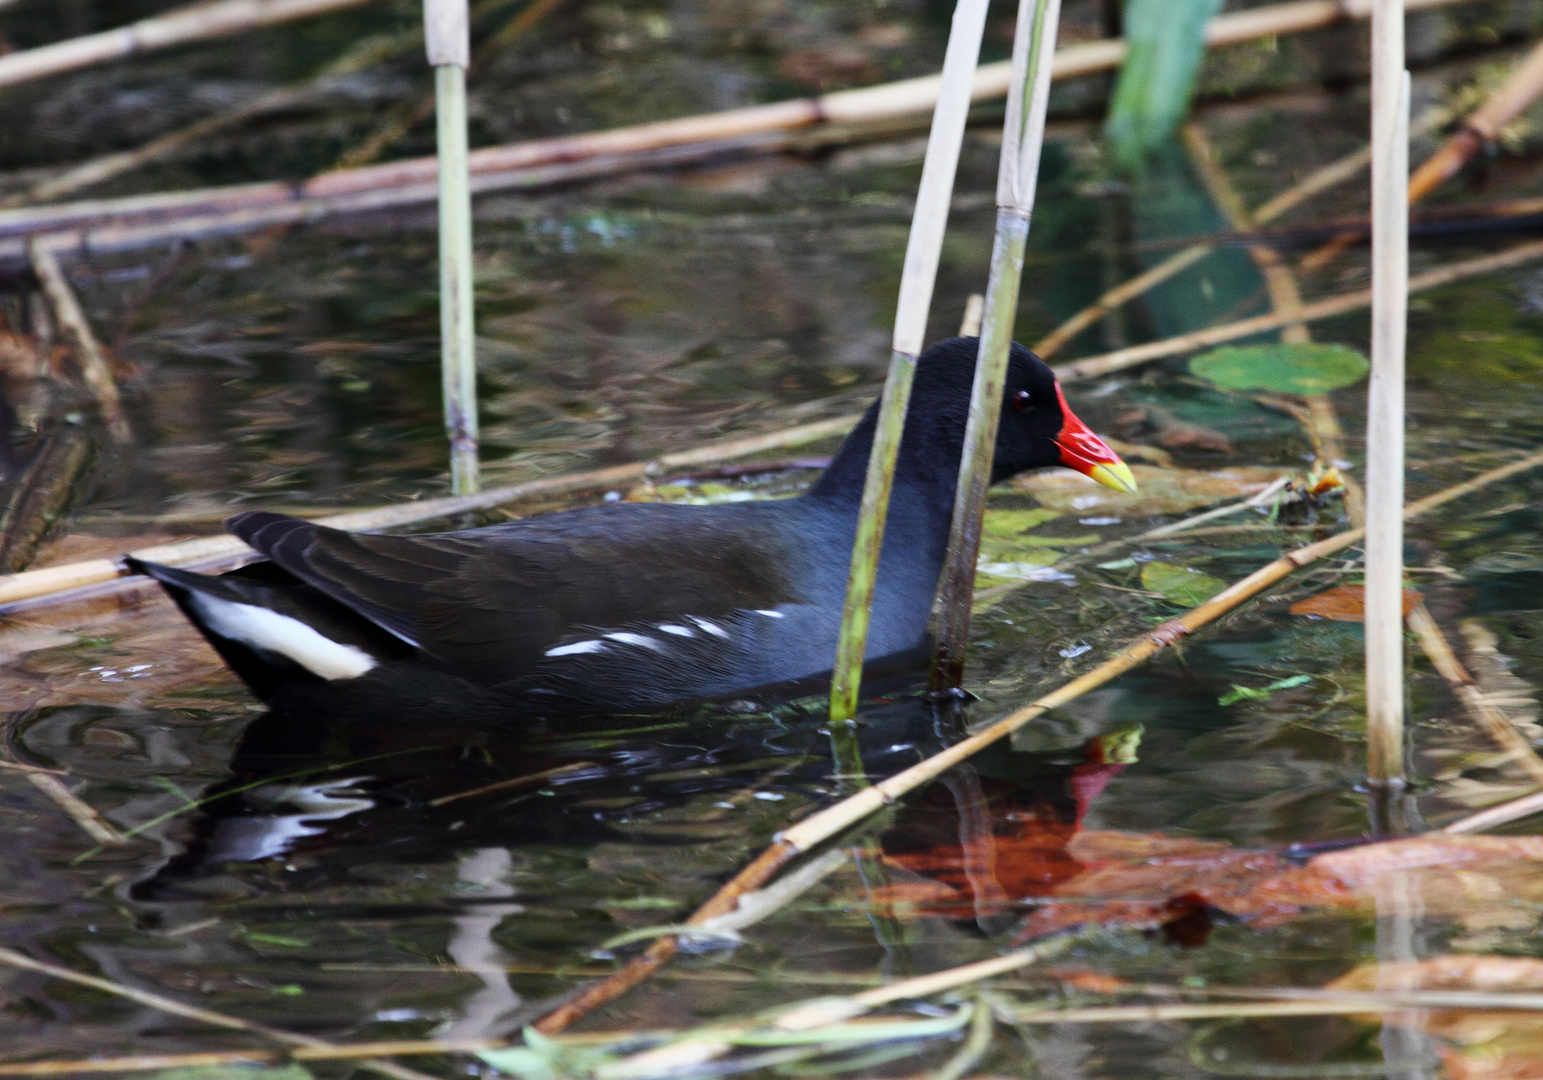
[{"x": 350, "y": 880}]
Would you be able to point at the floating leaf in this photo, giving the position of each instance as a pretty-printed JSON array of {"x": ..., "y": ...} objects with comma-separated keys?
[
  {"x": 1245, "y": 693},
  {"x": 1014, "y": 522},
  {"x": 1345, "y": 603},
  {"x": 1301, "y": 368},
  {"x": 1179, "y": 584}
]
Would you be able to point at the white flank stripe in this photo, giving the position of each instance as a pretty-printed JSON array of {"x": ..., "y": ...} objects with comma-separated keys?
[
  {"x": 637, "y": 639},
  {"x": 769, "y": 614},
  {"x": 576, "y": 648},
  {"x": 268, "y": 630},
  {"x": 678, "y": 631},
  {"x": 711, "y": 627}
]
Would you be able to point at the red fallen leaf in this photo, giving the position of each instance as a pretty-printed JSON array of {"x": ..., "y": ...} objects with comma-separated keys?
[
  {"x": 1345, "y": 603},
  {"x": 1148, "y": 880}
]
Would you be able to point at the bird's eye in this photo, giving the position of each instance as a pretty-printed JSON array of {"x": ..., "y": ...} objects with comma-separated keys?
[{"x": 1023, "y": 401}]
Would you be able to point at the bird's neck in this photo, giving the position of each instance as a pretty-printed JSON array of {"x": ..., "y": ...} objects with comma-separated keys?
[{"x": 925, "y": 473}]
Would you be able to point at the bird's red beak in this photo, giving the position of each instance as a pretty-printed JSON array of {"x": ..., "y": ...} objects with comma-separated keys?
[{"x": 1088, "y": 454}]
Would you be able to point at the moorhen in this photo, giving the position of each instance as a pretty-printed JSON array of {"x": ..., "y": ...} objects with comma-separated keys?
[{"x": 625, "y": 606}]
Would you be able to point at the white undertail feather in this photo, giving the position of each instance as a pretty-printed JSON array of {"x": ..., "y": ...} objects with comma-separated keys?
[{"x": 271, "y": 632}]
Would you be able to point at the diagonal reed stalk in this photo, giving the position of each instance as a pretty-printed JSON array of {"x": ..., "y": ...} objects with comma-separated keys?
[
  {"x": 923, "y": 249},
  {"x": 822, "y": 826},
  {"x": 1023, "y": 136},
  {"x": 1480, "y": 129}
]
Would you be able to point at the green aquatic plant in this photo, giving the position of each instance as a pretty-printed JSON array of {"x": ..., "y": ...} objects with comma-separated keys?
[{"x": 1299, "y": 368}]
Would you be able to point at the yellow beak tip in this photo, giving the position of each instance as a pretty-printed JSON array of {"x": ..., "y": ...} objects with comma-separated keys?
[{"x": 1116, "y": 475}]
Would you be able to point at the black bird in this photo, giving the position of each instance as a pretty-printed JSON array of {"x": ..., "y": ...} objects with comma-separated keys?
[{"x": 625, "y": 606}]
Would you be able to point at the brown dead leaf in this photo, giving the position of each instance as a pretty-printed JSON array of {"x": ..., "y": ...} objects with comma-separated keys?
[
  {"x": 1089, "y": 981},
  {"x": 1147, "y": 880},
  {"x": 1345, "y": 603}
]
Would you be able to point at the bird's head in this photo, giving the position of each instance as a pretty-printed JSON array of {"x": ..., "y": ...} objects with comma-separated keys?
[{"x": 1038, "y": 428}]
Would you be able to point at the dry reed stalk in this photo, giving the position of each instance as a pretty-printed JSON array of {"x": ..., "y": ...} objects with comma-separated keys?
[
  {"x": 688, "y": 1052},
  {"x": 974, "y": 308},
  {"x": 53, "y": 579},
  {"x": 1135, "y": 1014},
  {"x": 1285, "y": 299},
  {"x": 94, "y": 370},
  {"x": 78, "y": 809},
  {"x": 908, "y": 97},
  {"x": 196, "y": 22},
  {"x": 1336, "y": 172},
  {"x": 191, "y": 1012},
  {"x": 1328, "y": 308},
  {"x": 819, "y": 827},
  {"x": 1384, "y": 561},
  {"x": 1506, "y": 812},
  {"x": 405, "y": 118},
  {"x": 924, "y": 246},
  {"x": 219, "y": 1058},
  {"x": 96, "y": 170},
  {"x": 1482, "y": 127},
  {"x": 1023, "y": 137},
  {"x": 1491, "y": 720}
]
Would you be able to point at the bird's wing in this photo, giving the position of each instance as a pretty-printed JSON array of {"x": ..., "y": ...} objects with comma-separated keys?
[{"x": 492, "y": 603}]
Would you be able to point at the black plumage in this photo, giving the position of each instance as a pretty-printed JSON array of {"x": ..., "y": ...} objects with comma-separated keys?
[{"x": 622, "y": 606}]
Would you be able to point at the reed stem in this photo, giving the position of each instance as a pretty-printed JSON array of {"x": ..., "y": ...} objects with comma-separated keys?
[
  {"x": 923, "y": 248},
  {"x": 447, "y": 36},
  {"x": 1385, "y": 400},
  {"x": 1023, "y": 136}
]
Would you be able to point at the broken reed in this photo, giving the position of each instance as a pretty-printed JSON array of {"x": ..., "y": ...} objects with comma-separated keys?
[
  {"x": 1023, "y": 136},
  {"x": 924, "y": 246},
  {"x": 835, "y": 819}
]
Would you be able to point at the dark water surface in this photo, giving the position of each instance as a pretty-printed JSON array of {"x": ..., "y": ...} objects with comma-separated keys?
[{"x": 327, "y": 879}]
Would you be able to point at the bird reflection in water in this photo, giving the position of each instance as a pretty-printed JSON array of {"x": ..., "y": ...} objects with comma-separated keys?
[{"x": 317, "y": 798}]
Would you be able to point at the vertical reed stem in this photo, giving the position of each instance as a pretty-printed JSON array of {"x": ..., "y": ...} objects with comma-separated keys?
[
  {"x": 916, "y": 283},
  {"x": 1385, "y": 405},
  {"x": 447, "y": 36},
  {"x": 1022, "y": 137}
]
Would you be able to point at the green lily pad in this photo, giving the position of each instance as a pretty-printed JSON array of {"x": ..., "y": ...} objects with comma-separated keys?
[
  {"x": 1013, "y": 522},
  {"x": 1301, "y": 368},
  {"x": 1179, "y": 584}
]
